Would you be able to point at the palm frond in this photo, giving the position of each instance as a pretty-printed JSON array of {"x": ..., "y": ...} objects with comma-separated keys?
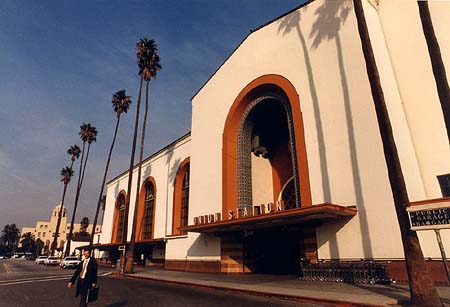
[
  {"x": 147, "y": 58},
  {"x": 121, "y": 102},
  {"x": 66, "y": 173},
  {"x": 88, "y": 133},
  {"x": 74, "y": 151}
]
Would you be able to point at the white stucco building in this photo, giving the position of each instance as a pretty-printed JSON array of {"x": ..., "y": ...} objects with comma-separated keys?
[{"x": 285, "y": 159}]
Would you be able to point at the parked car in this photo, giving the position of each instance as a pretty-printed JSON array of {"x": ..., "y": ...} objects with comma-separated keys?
[
  {"x": 69, "y": 262},
  {"x": 52, "y": 261},
  {"x": 40, "y": 259}
]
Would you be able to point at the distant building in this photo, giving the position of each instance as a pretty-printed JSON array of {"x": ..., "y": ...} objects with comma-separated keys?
[{"x": 45, "y": 230}]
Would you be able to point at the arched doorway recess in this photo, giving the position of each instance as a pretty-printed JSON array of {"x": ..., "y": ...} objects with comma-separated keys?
[{"x": 263, "y": 95}]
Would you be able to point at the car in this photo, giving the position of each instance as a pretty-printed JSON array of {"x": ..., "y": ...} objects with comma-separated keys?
[
  {"x": 41, "y": 259},
  {"x": 3, "y": 257},
  {"x": 52, "y": 261},
  {"x": 69, "y": 262}
]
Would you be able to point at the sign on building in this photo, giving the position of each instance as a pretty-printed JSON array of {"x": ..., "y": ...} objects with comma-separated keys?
[{"x": 429, "y": 217}]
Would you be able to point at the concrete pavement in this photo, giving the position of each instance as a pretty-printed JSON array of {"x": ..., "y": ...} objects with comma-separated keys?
[{"x": 333, "y": 294}]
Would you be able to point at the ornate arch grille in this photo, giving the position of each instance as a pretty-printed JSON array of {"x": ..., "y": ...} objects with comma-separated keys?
[
  {"x": 185, "y": 199},
  {"x": 149, "y": 203},
  {"x": 244, "y": 162},
  {"x": 120, "y": 206}
]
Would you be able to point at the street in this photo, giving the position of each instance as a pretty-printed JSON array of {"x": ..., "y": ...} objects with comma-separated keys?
[{"x": 23, "y": 283}]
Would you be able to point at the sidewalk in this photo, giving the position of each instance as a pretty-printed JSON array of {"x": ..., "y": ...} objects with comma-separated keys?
[{"x": 332, "y": 294}]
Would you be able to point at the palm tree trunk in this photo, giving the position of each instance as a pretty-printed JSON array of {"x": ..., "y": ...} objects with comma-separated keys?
[
  {"x": 437, "y": 64},
  {"x": 129, "y": 264},
  {"x": 130, "y": 176},
  {"x": 104, "y": 181},
  {"x": 77, "y": 196},
  {"x": 422, "y": 289},
  {"x": 55, "y": 239}
]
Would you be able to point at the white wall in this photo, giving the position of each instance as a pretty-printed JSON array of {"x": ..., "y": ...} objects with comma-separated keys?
[
  {"x": 408, "y": 51},
  {"x": 163, "y": 168},
  {"x": 323, "y": 59}
]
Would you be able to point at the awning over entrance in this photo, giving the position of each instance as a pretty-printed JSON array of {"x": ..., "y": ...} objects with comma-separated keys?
[{"x": 316, "y": 213}]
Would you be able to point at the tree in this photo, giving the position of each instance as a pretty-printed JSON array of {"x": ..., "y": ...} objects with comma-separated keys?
[
  {"x": 74, "y": 152},
  {"x": 148, "y": 64},
  {"x": 27, "y": 241},
  {"x": 422, "y": 289},
  {"x": 39, "y": 245},
  {"x": 84, "y": 224},
  {"x": 88, "y": 134},
  {"x": 121, "y": 103},
  {"x": 66, "y": 174},
  {"x": 437, "y": 64},
  {"x": 10, "y": 235}
]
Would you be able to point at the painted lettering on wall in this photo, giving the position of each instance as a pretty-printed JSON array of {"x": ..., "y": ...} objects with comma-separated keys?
[{"x": 240, "y": 213}]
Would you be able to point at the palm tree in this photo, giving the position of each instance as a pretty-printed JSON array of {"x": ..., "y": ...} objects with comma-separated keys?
[
  {"x": 74, "y": 152},
  {"x": 66, "y": 174},
  {"x": 422, "y": 289},
  {"x": 121, "y": 103},
  {"x": 84, "y": 224},
  {"x": 437, "y": 64},
  {"x": 27, "y": 241},
  {"x": 39, "y": 245},
  {"x": 148, "y": 63},
  {"x": 10, "y": 235},
  {"x": 88, "y": 134}
]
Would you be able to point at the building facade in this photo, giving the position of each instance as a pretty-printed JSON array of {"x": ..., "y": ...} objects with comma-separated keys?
[
  {"x": 285, "y": 160},
  {"x": 45, "y": 230}
]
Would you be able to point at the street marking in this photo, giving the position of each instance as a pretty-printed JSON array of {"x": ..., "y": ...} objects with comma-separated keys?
[
  {"x": 30, "y": 281},
  {"x": 6, "y": 267},
  {"x": 34, "y": 278},
  {"x": 40, "y": 279}
]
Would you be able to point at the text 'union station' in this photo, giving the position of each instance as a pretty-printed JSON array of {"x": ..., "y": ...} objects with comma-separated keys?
[{"x": 285, "y": 159}]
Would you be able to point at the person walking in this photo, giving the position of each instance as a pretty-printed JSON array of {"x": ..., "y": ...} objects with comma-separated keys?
[{"x": 86, "y": 276}]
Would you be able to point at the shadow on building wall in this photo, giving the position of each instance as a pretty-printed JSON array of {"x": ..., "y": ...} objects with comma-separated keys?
[{"x": 330, "y": 17}]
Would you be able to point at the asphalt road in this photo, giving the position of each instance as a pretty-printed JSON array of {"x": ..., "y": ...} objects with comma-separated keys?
[{"x": 23, "y": 283}]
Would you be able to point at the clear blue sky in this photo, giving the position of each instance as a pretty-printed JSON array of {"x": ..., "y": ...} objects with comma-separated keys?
[{"x": 60, "y": 63}]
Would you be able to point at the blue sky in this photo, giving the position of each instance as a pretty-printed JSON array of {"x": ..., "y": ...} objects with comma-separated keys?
[{"x": 60, "y": 63}]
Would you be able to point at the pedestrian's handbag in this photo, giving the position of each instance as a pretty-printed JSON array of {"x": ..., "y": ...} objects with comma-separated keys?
[{"x": 92, "y": 294}]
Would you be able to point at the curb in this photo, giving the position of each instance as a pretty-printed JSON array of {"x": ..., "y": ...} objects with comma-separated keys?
[{"x": 304, "y": 299}]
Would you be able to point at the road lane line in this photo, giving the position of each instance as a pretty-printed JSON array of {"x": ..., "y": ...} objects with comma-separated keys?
[
  {"x": 34, "y": 278},
  {"x": 6, "y": 267},
  {"x": 31, "y": 281},
  {"x": 40, "y": 279}
]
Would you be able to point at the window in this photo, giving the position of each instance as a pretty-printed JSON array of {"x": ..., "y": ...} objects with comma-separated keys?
[
  {"x": 181, "y": 198},
  {"x": 39, "y": 234},
  {"x": 185, "y": 199},
  {"x": 41, "y": 226},
  {"x": 43, "y": 234},
  {"x": 121, "y": 219},
  {"x": 444, "y": 182},
  {"x": 46, "y": 226},
  {"x": 149, "y": 203}
]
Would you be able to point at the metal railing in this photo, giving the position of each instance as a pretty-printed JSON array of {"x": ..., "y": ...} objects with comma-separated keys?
[{"x": 361, "y": 272}]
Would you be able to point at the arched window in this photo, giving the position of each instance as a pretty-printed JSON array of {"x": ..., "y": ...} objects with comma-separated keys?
[
  {"x": 181, "y": 198},
  {"x": 149, "y": 204},
  {"x": 120, "y": 208},
  {"x": 185, "y": 199}
]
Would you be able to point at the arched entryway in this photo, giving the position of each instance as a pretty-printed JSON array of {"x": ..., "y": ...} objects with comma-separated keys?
[
  {"x": 268, "y": 101},
  {"x": 264, "y": 160}
]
